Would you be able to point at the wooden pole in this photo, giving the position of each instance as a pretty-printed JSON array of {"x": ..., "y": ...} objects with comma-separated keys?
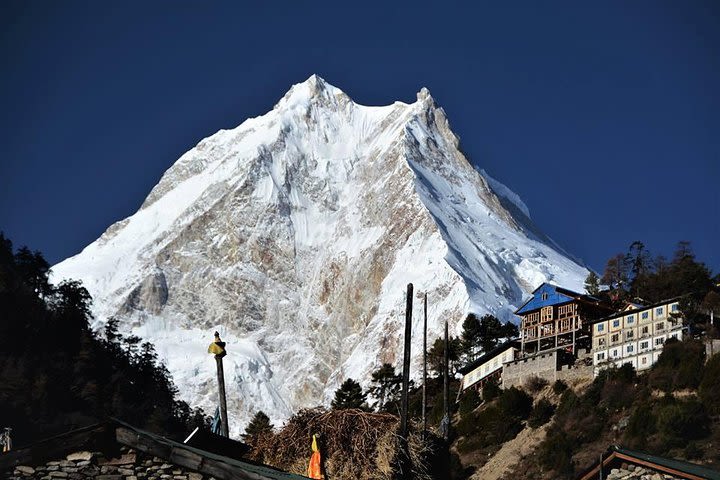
[
  {"x": 446, "y": 384},
  {"x": 223, "y": 399},
  {"x": 218, "y": 349},
  {"x": 424, "y": 390},
  {"x": 406, "y": 363},
  {"x": 405, "y": 465}
]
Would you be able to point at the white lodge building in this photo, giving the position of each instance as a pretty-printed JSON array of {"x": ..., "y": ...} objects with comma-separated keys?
[
  {"x": 488, "y": 366},
  {"x": 635, "y": 335}
]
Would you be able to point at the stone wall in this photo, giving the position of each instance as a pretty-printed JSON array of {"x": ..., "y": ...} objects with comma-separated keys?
[
  {"x": 635, "y": 472},
  {"x": 517, "y": 372},
  {"x": 131, "y": 465},
  {"x": 546, "y": 366},
  {"x": 581, "y": 369}
]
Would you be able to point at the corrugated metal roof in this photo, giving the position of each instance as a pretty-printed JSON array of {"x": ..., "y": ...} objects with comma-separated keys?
[
  {"x": 262, "y": 470},
  {"x": 553, "y": 296}
]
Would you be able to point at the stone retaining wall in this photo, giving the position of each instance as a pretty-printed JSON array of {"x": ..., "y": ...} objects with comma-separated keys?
[
  {"x": 517, "y": 372},
  {"x": 545, "y": 366},
  {"x": 131, "y": 465}
]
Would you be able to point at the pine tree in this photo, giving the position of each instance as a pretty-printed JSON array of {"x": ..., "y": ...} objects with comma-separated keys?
[
  {"x": 436, "y": 355},
  {"x": 616, "y": 272},
  {"x": 258, "y": 426},
  {"x": 386, "y": 386},
  {"x": 470, "y": 337},
  {"x": 491, "y": 331},
  {"x": 349, "y": 395},
  {"x": 52, "y": 363},
  {"x": 510, "y": 330},
  {"x": 592, "y": 283}
]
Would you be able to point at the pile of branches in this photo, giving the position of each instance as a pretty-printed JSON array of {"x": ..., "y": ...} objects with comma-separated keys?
[{"x": 353, "y": 444}]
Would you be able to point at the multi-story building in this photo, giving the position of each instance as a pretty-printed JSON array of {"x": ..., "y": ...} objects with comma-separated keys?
[
  {"x": 635, "y": 335},
  {"x": 558, "y": 318}
]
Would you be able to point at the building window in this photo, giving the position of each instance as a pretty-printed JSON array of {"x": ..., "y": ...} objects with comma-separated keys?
[
  {"x": 674, "y": 307},
  {"x": 616, "y": 323},
  {"x": 566, "y": 310},
  {"x": 601, "y": 327},
  {"x": 615, "y": 338},
  {"x": 546, "y": 314},
  {"x": 644, "y": 360},
  {"x": 630, "y": 334},
  {"x": 630, "y": 348},
  {"x": 644, "y": 345},
  {"x": 645, "y": 315},
  {"x": 614, "y": 353},
  {"x": 601, "y": 356},
  {"x": 659, "y": 311},
  {"x": 645, "y": 330},
  {"x": 601, "y": 342},
  {"x": 659, "y": 341},
  {"x": 544, "y": 296},
  {"x": 630, "y": 318},
  {"x": 659, "y": 326}
]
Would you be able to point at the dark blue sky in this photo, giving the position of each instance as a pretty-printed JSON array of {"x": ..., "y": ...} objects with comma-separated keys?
[{"x": 604, "y": 117}]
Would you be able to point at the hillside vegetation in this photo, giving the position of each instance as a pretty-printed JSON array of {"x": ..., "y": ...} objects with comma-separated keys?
[{"x": 57, "y": 374}]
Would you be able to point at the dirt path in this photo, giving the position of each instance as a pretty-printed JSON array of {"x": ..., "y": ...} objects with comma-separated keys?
[{"x": 511, "y": 453}]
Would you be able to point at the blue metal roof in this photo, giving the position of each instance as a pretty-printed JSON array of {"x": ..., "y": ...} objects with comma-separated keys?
[{"x": 554, "y": 297}]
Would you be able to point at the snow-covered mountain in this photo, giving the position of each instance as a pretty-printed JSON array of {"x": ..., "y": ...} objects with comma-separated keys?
[{"x": 295, "y": 235}]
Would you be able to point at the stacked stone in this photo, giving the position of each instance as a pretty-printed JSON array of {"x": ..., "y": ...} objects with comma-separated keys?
[
  {"x": 130, "y": 465},
  {"x": 634, "y": 472}
]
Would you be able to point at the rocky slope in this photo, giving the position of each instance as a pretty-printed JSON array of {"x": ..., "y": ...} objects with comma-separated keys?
[{"x": 295, "y": 235}]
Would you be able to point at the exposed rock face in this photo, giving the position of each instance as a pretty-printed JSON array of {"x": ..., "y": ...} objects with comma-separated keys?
[
  {"x": 295, "y": 235},
  {"x": 150, "y": 296}
]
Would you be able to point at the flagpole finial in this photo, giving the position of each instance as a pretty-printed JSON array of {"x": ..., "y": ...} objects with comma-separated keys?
[{"x": 217, "y": 347}]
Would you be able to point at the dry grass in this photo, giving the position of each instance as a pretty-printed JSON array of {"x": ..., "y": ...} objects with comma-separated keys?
[{"x": 354, "y": 444}]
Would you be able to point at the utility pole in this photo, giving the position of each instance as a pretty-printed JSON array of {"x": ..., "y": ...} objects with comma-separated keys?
[
  {"x": 424, "y": 390},
  {"x": 406, "y": 363},
  {"x": 405, "y": 464},
  {"x": 218, "y": 348},
  {"x": 445, "y": 424}
]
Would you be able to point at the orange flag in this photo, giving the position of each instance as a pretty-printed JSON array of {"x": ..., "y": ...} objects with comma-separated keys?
[{"x": 314, "y": 467}]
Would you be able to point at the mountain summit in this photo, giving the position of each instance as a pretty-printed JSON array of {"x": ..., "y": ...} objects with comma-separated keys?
[{"x": 295, "y": 235}]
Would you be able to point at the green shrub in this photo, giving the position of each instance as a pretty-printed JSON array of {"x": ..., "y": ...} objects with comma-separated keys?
[
  {"x": 617, "y": 394},
  {"x": 679, "y": 366},
  {"x": 491, "y": 391},
  {"x": 625, "y": 374},
  {"x": 535, "y": 384},
  {"x": 489, "y": 426},
  {"x": 709, "y": 389},
  {"x": 568, "y": 401},
  {"x": 692, "y": 451},
  {"x": 682, "y": 420},
  {"x": 468, "y": 424},
  {"x": 469, "y": 401},
  {"x": 555, "y": 453},
  {"x": 559, "y": 387},
  {"x": 541, "y": 413},
  {"x": 641, "y": 423},
  {"x": 515, "y": 403}
]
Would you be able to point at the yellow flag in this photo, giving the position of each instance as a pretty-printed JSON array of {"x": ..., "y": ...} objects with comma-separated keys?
[
  {"x": 215, "y": 349},
  {"x": 314, "y": 468}
]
